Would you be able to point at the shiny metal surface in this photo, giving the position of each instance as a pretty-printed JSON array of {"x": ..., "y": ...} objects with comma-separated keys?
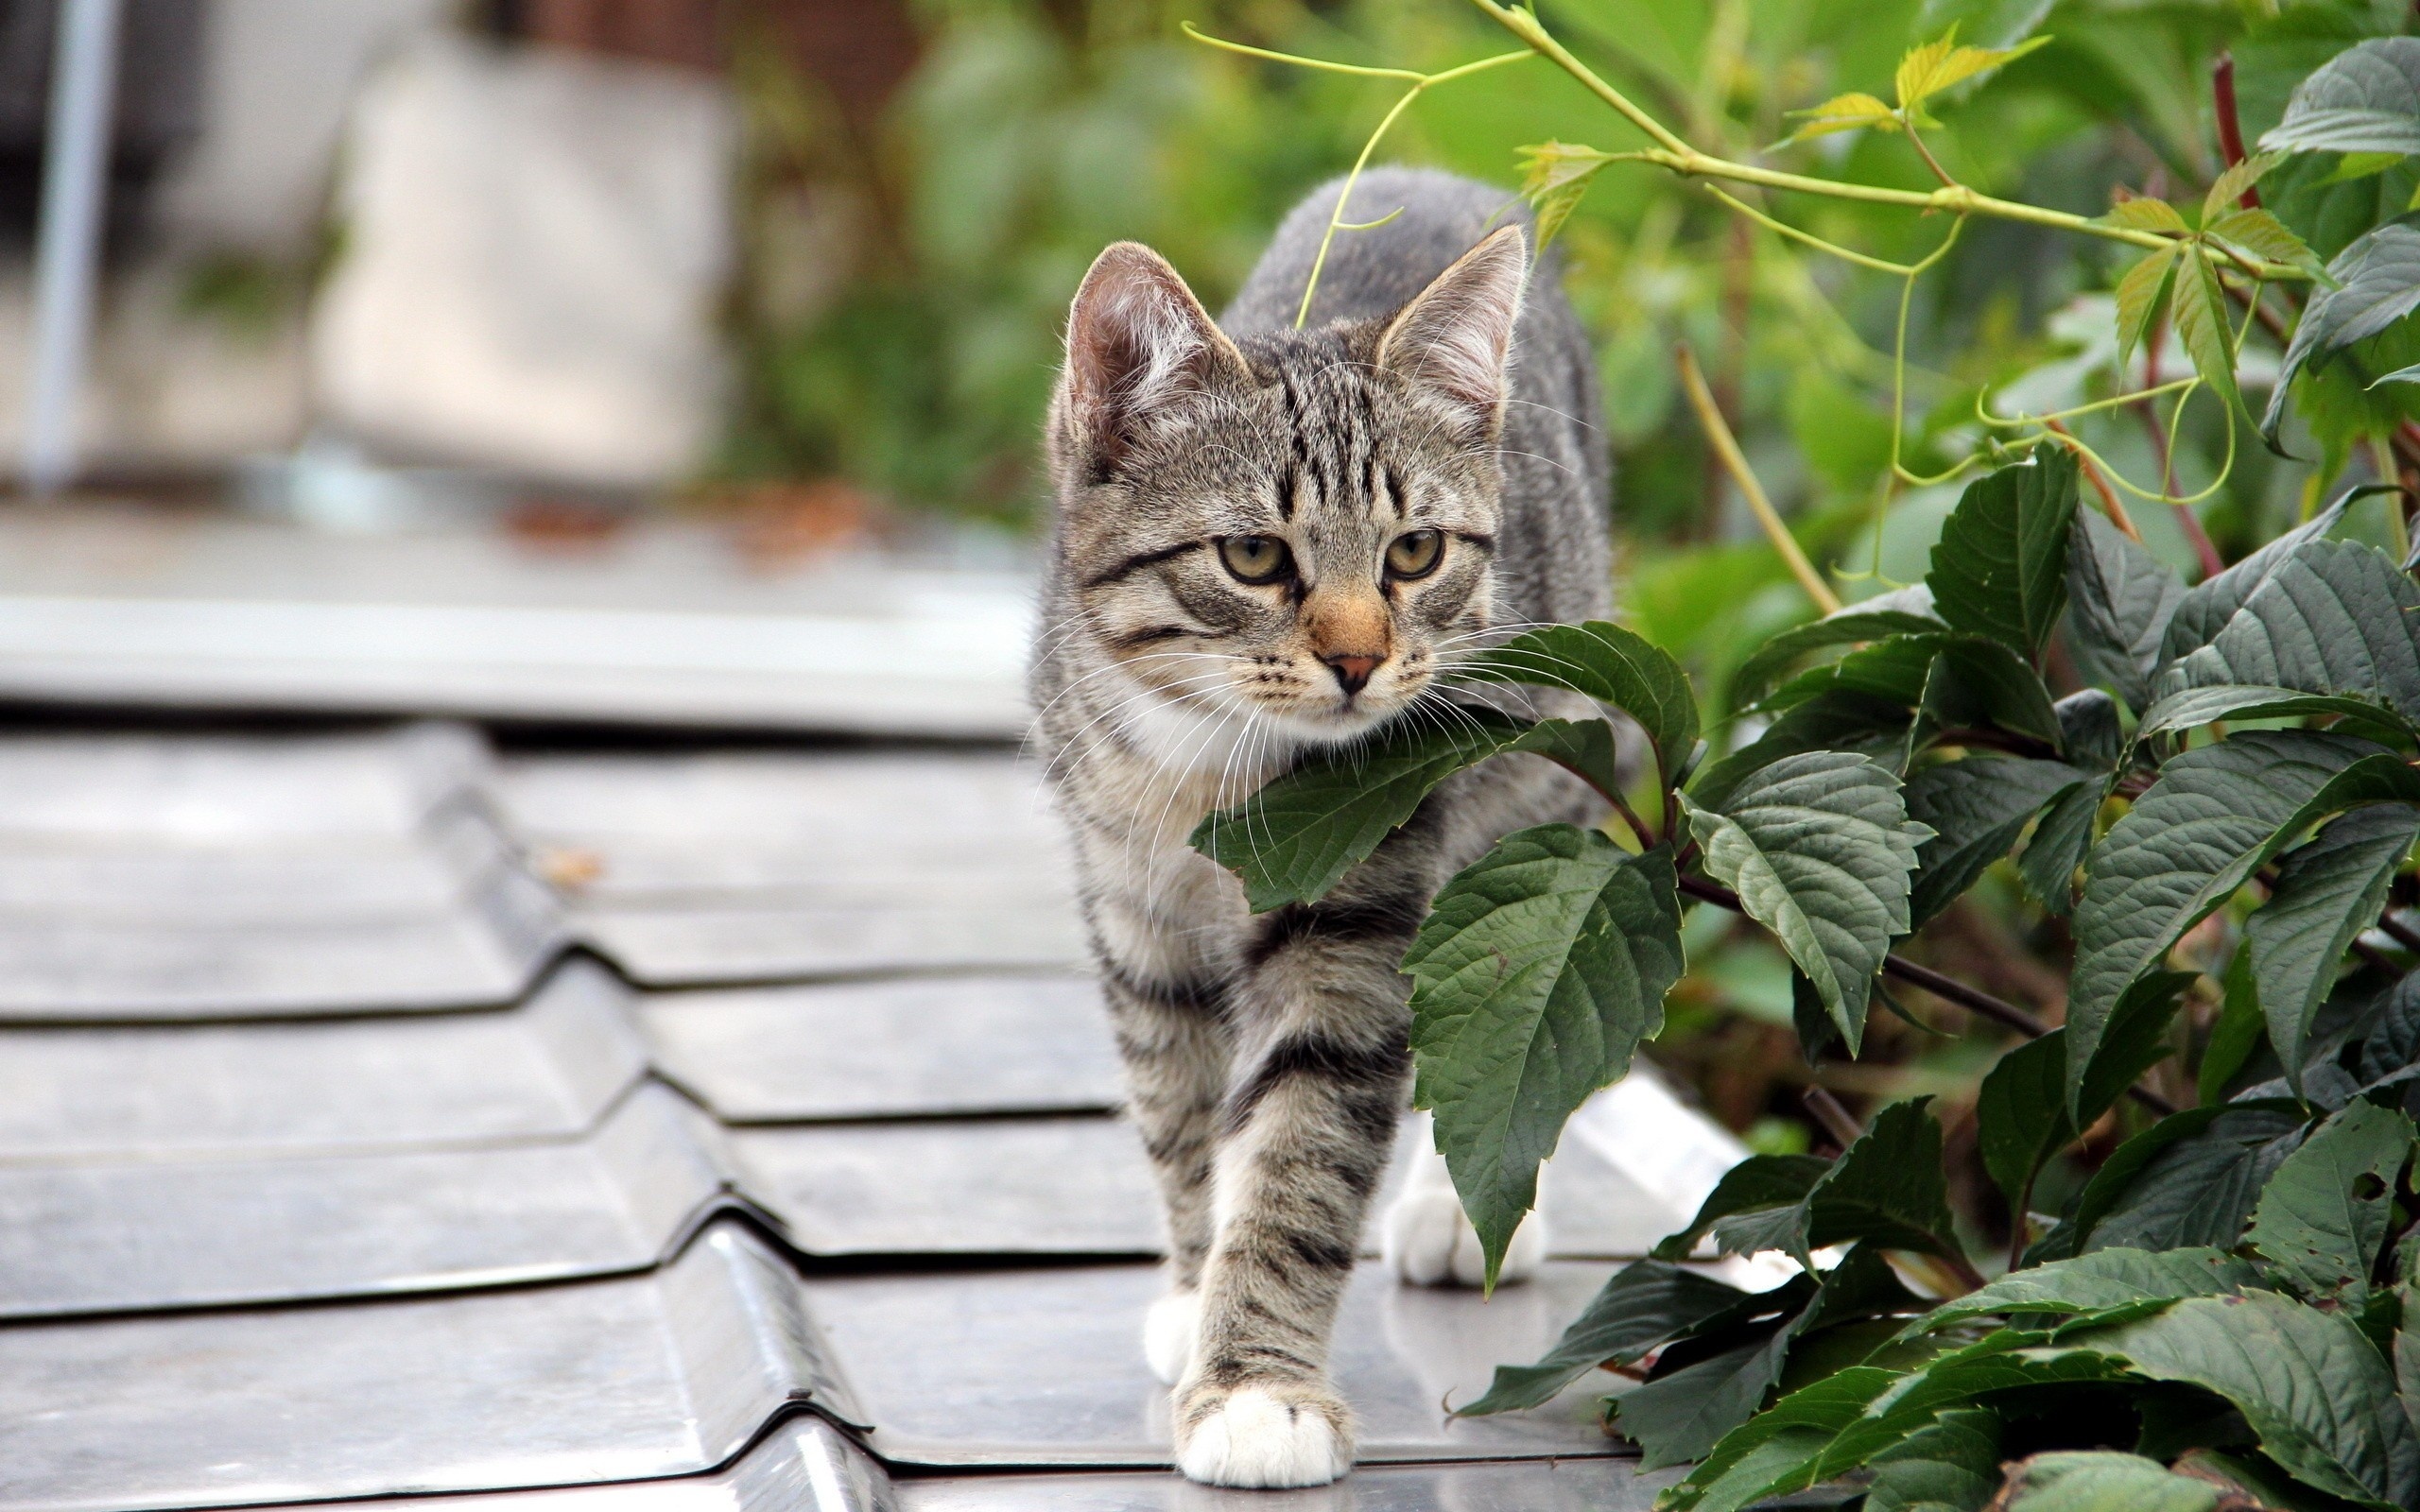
[
  {"x": 545, "y": 1068},
  {"x": 1041, "y": 1368},
  {"x": 955, "y": 1045},
  {"x": 100, "y": 1237},
  {"x": 1521, "y": 1486},
  {"x": 959, "y": 1187},
  {"x": 716, "y": 946},
  {"x": 666, "y": 1374}
]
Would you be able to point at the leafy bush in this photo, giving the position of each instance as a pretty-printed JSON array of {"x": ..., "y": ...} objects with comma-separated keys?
[{"x": 2227, "y": 1314}]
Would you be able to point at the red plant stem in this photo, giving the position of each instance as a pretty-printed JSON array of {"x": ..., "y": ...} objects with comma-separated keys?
[{"x": 2230, "y": 127}]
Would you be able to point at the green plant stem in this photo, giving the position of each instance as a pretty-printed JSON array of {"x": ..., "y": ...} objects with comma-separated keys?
[
  {"x": 1671, "y": 152},
  {"x": 1726, "y": 446}
]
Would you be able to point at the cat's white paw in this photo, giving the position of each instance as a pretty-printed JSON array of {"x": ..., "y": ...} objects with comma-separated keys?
[
  {"x": 1169, "y": 1331},
  {"x": 1426, "y": 1240},
  {"x": 1264, "y": 1436}
]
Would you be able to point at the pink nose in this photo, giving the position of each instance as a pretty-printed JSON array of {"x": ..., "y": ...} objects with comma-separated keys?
[{"x": 1353, "y": 671}]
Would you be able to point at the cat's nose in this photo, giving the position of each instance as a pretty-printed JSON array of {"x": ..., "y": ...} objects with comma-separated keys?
[{"x": 1353, "y": 671}]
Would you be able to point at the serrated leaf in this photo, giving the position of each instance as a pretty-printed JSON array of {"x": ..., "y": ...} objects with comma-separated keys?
[
  {"x": 2141, "y": 213},
  {"x": 2000, "y": 567},
  {"x": 2120, "y": 601},
  {"x": 1645, "y": 1304},
  {"x": 1850, "y": 627},
  {"x": 1885, "y": 1189},
  {"x": 1611, "y": 665},
  {"x": 2103, "y": 1480},
  {"x": 2105, "y": 1282},
  {"x": 1555, "y": 178},
  {"x": 2190, "y": 1180},
  {"x": 1842, "y": 112},
  {"x": 2021, "y": 1116},
  {"x": 2334, "y": 617},
  {"x": 1976, "y": 808},
  {"x": 2007, "y": 1361},
  {"x": 2188, "y": 844},
  {"x": 1975, "y": 684},
  {"x": 2324, "y": 1215},
  {"x": 1820, "y": 849},
  {"x": 2191, "y": 708},
  {"x": 1779, "y": 1450},
  {"x": 2264, "y": 235},
  {"x": 1758, "y": 1183},
  {"x": 2232, "y": 184},
  {"x": 2390, "y": 1041},
  {"x": 1928, "y": 70},
  {"x": 1838, "y": 720},
  {"x": 1537, "y": 973},
  {"x": 2140, "y": 293},
  {"x": 2059, "y": 843},
  {"x": 2316, "y": 1392},
  {"x": 2364, "y": 99},
  {"x": 1954, "y": 1463},
  {"x": 2205, "y": 327},
  {"x": 1294, "y": 840},
  {"x": 2206, "y": 606},
  {"x": 2234, "y": 1036},
  {"x": 2376, "y": 283},
  {"x": 2329, "y": 888}
]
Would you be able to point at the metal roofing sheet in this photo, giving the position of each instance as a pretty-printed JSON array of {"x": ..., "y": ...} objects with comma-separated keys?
[
  {"x": 669, "y": 1373},
  {"x": 951, "y": 1044},
  {"x": 1521, "y": 1486},
  {"x": 1042, "y": 1367},
  {"x": 548, "y": 1065}
]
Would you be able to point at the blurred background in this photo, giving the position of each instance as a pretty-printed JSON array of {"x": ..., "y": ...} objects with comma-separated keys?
[{"x": 504, "y": 357}]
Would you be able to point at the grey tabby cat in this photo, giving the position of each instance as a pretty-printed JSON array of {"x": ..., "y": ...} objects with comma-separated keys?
[{"x": 1270, "y": 542}]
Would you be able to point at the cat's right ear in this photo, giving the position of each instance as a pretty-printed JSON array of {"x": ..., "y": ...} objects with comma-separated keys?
[{"x": 1138, "y": 342}]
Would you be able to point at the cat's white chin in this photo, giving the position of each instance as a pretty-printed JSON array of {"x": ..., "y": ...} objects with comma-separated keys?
[{"x": 1259, "y": 1439}]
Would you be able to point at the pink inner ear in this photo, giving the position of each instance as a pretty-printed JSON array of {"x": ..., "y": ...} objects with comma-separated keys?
[
  {"x": 1456, "y": 336},
  {"x": 1138, "y": 340}
]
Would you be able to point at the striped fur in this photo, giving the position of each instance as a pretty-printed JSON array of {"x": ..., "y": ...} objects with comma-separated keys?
[{"x": 1266, "y": 1055}]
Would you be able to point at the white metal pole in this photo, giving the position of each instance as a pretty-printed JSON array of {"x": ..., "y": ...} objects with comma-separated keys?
[{"x": 75, "y": 180}]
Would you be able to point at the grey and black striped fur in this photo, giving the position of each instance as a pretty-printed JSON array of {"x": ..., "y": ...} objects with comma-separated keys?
[{"x": 1266, "y": 1053}]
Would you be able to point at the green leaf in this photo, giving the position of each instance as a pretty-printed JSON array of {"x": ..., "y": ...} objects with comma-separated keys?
[
  {"x": 2390, "y": 1041},
  {"x": 2234, "y": 1036},
  {"x": 1928, "y": 70},
  {"x": 2190, "y": 1180},
  {"x": 1554, "y": 179},
  {"x": 2214, "y": 815},
  {"x": 2323, "y": 1216},
  {"x": 1893, "y": 668},
  {"x": 1976, "y": 808},
  {"x": 1778, "y": 1450},
  {"x": 1854, "y": 624},
  {"x": 2000, "y": 567},
  {"x": 2059, "y": 843},
  {"x": 1758, "y": 1183},
  {"x": 1611, "y": 665},
  {"x": 1644, "y": 1305},
  {"x": 2329, "y": 888},
  {"x": 2205, "y": 328},
  {"x": 2334, "y": 617},
  {"x": 2140, "y": 293},
  {"x": 1953, "y": 1463},
  {"x": 1820, "y": 849},
  {"x": 1979, "y": 684},
  {"x": 2233, "y": 184},
  {"x": 2209, "y": 605},
  {"x": 1838, "y": 720},
  {"x": 1537, "y": 973},
  {"x": 2316, "y": 1392},
  {"x": 1294, "y": 840},
  {"x": 2144, "y": 212},
  {"x": 1842, "y": 112},
  {"x": 2191, "y": 708},
  {"x": 1887, "y": 1189},
  {"x": 2376, "y": 283},
  {"x": 2088, "y": 727},
  {"x": 2262, "y": 234},
  {"x": 2120, "y": 600},
  {"x": 2364, "y": 99},
  {"x": 2105, "y": 1282},
  {"x": 2104, "y": 1481},
  {"x": 2021, "y": 1115}
]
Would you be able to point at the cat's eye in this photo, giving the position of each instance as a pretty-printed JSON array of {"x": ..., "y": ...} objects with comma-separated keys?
[
  {"x": 1255, "y": 559},
  {"x": 1415, "y": 554}
]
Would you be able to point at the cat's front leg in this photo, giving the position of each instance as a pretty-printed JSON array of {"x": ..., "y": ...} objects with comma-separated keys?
[{"x": 1321, "y": 1068}]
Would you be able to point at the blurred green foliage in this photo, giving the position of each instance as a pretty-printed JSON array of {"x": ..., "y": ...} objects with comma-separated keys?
[{"x": 1035, "y": 131}]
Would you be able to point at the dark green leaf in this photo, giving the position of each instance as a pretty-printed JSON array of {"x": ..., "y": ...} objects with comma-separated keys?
[
  {"x": 1757, "y": 1183},
  {"x": 2212, "y": 819},
  {"x": 2088, "y": 727},
  {"x": 2059, "y": 843},
  {"x": 2364, "y": 99},
  {"x": 1611, "y": 665},
  {"x": 2105, "y": 1282},
  {"x": 2236, "y": 1035},
  {"x": 2021, "y": 1115},
  {"x": 2334, "y": 617},
  {"x": 1535, "y": 975},
  {"x": 2314, "y": 1390},
  {"x": 2324, "y": 1215},
  {"x": 2191, "y": 708},
  {"x": 2103, "y": 1480},
  {"x": 1780, "y": 1450},
  {"x": 1820, "y": 849},
  {"x": 1976, "y": 809},
  {"x": 2206, "y": 606},
  {"x": 2329, "y": 888},
  {"x": 1954, "y": 1463},
  {"x": 2390, "y": 1041},
  {"x": 1853, "y": 626},
  {"x": 1979, "y": 684},
  {"x": 1893, "y": 668},
  {"x": 1886, "y": 1189},
  {"x": 1838, "y": 720},
  {"x": 1643, "y": 1305},
  {"x": 2377, "y": 283},
  {"x": 2120, "y": 600},
  {"x": 2193, "y": 1184},
  {"x": 2000, "y": 567}
]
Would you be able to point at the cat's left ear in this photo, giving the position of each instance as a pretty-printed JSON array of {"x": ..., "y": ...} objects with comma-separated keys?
[{"x": 1455, "y": 339}]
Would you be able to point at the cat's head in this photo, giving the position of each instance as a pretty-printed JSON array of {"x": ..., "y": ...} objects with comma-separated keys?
[{"x": 1300, "y": 527}]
